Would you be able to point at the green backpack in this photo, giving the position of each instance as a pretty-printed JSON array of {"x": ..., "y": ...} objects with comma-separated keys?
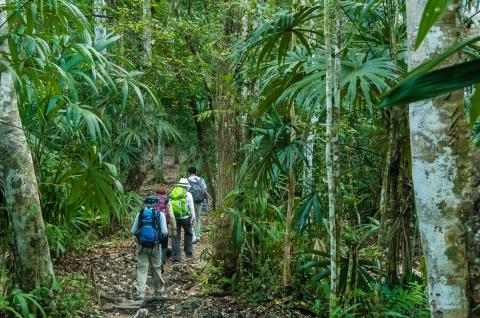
[{"x": 178, "y": 198}]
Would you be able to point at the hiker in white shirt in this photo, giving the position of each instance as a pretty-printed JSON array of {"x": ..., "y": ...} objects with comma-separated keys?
[{"x": 198, "y": 189}]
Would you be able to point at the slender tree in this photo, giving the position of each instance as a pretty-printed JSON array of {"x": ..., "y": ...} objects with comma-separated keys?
[
  {"x": 330, "y": 148},
  {"x": 17, "y": 175},
  {"x": 292, "y": 183},
  {"x": 100, "y": 29}
]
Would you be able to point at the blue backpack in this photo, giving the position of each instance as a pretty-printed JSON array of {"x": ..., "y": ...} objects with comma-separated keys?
[{"x": 148, "y": 231}]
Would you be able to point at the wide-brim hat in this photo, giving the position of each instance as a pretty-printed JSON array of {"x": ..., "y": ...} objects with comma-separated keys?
[{"x": 183, "y": 183}]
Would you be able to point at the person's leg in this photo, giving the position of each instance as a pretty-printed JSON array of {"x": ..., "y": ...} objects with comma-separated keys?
[
  {"x": 198, "y": 222},
  {"x": 187, "y": 244},
  {"x": 156, "y": 263},
  {"x": 164, "y": 243},
  {"x": 163, "y": 250},
  {"x": 142, "y": 271},
  {"x": 176, "y": 242}
]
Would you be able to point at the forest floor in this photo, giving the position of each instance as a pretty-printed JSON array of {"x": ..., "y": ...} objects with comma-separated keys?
[{"x": 110, "y": 267}]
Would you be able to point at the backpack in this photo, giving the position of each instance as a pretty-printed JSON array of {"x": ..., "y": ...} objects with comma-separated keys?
[
  {"x": 148, "y": 227},
  {"x": 197, "y": 191},
  {"x": 162, "y": 206},
  {"x": 178, "y": 197}
]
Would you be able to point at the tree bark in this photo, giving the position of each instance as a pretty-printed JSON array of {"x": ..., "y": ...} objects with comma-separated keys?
[
  {"x": 292, "y": 183},
  {"x": 139, "y": 170},
  {"x": 202, "y": 142},
  {"x": 100, "y": 31},
  {"x": 17, "y": 174},
  {"x": 439, "y": 135},
  {"x": 330, "y": 136},
  {"x": 160, "y": 156},
  {"x": 147, "y": 31},
  {"x": 226, "y": 167}
]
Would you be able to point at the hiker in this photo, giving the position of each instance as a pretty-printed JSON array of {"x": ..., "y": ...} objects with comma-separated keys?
[
  {"x": 198, "y": 189},
  {"x": 184, "y": 210},
  {"x": 149, "y": 227},
  {"x": 165, "y": 207}
]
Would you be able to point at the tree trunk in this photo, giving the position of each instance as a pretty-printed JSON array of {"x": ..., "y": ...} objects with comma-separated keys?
[
  {"x": 226, "y": 167},
  {"x": 139, "y": 170},
  {"x": 147, "y": 31},
  {"x": 160, "y": 156},
  {"x": 309, "y": 152},
  {"x": 329, "y": 156},
  {"x": 99, "y": 29},
  {"x": 18, "y": 177},
  {"x": 203, "y": 150},
  {"x": 439, "y": 135},
  {"x": 335, "y": 129},
  {"x": 292, "y": 183}
]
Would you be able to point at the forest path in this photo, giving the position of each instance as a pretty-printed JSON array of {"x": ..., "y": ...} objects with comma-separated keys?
[{"x": 110, "y": 267}]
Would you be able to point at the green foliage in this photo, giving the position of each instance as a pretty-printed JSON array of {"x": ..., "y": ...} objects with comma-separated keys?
[
  {"x": 423, "y": 83},
  {"x": 22, "y": 305},
  {"x": 408, "y": 301},
  {"x": 433, "y": 10},
  {"x": 71, "y": 296}
]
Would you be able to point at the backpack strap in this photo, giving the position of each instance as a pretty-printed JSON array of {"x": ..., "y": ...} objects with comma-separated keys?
[{"x": 197, "y": 181}]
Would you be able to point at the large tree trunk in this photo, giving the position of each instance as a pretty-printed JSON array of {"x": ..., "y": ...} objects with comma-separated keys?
[
  {"x": 439, "y": 135},
  {"x": 226, "y": 167},
  {"x": 18, "y": 177},
  {"x": 227, "y": 145},
  {"x": 203, "y": 150}
]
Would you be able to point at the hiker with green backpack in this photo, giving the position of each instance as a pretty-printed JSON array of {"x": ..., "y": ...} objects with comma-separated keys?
[{"x": 184, "y": 211}]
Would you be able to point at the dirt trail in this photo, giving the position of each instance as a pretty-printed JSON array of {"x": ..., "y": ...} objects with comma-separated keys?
[{"x": 110, "y": 267}]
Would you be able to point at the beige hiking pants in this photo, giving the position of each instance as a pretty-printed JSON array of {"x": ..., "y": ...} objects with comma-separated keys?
[{"x": 149, "y": 256}]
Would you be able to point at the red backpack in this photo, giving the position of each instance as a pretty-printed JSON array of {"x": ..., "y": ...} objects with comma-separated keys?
[{"x": 162, "y": 206}]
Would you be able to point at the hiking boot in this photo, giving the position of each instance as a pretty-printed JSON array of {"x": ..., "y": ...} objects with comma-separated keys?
[{"x": 159, "y": 293}]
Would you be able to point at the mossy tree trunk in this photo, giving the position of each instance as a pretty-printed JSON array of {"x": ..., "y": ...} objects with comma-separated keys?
[
  {"x": 17, "y": 175},
  {"x": 227, "y": 143},
  {"x": 441, "y": 171}
]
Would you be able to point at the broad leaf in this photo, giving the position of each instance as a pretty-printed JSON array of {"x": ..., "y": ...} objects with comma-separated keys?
[{"x": 433, "y": 10}]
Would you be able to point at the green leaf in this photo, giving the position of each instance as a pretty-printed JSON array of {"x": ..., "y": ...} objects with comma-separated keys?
[
  {"x": 433, "y": 10},
  {"x": 434, "y": 84},
  {"x": 399, "y": 93},
  {"x": 475, "y": 109}
]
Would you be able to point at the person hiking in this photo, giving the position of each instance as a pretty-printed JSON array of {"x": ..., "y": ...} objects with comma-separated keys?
[
  {"x": 164, "y": 206},
  {"x": 198, "y": 189},
  {"x": 149, "y": 227},
  {"x": 184, "y": 211}
]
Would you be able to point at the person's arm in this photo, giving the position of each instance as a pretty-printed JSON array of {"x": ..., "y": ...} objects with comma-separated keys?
[
  {"x": 163, "y": 224},
  {"x": 134, "y": 229},
  {"x": 173, "y": 223},
  {"x": 191, "y": 206}
]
